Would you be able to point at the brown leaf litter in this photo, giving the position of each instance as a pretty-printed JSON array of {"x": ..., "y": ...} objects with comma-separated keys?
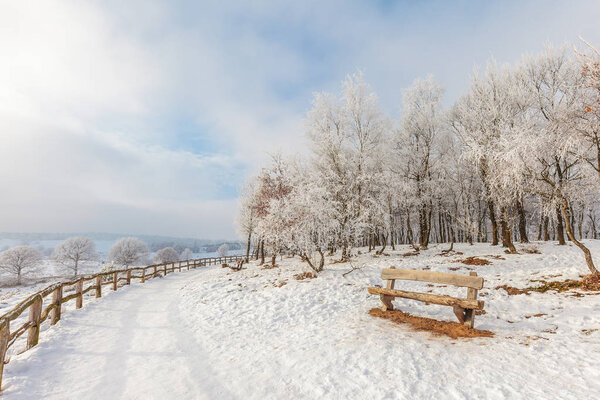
[
  {"x": 475, "y": 261},
  {"x": 451, "y": 329},
  {"x": 587, "y": 283}
]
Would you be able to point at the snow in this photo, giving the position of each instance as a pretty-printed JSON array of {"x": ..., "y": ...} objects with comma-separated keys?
[{"x": 215, "y": 333}]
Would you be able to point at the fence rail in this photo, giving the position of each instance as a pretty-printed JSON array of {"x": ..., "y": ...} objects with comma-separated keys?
[{"x": 38, "y": 314}]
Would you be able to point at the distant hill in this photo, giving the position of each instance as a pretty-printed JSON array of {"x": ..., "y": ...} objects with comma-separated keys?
[{"x": 104, "y": 240}]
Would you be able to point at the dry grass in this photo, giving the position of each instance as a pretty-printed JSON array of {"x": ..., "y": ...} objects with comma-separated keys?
[
  {"x": 304, "y": 275},
  {"x": 587, "y": 283},
  {"x": 475, "y": 261},
  {"x": 451, "y": 329},
  {"x": 530, "y": 250},
  {"x": 411, "y": 254}
]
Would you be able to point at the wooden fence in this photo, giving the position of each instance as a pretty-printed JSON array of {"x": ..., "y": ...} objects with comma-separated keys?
[{"x": 38, "y": 314}]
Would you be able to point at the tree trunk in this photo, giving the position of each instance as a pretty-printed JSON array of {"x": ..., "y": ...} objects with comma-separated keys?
[
  {"x": 248, "y": 248},
  {"x": 546, "y": 234},
  {"x": 409, "y": 232},
  {"x": 559, "y": 228},
  {"x": 493, "y": 223},
  {"x": 522, "y": 223},
  {"x": 506, "y": 232},
  {"x": 262, "y": 252},
  {"x": 322, "y": 260},
  {"x": 586, "y": 251},
  {"x": 384, "y": 245},
  {"x": 424, "y": 227}
]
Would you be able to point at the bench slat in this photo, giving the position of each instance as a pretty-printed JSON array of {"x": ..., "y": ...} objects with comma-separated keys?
[
  {"x": 475, "y": 282},
  {"x": 430, "y": 298}
]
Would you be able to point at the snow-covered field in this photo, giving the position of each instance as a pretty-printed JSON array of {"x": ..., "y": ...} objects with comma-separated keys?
[{"x": 259, "y": 333}]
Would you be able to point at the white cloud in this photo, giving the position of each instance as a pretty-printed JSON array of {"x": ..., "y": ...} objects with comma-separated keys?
[{"x": 90, "y": 90}]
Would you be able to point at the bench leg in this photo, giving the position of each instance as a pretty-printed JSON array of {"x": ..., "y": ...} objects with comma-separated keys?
[
  {"x": 387, "y": 303},
  {"x": 387, "y": 300},
  {"x": 470, "y": 314},
  {"x": 460, "y": 313},
  {"x": 469, "y": 318}
]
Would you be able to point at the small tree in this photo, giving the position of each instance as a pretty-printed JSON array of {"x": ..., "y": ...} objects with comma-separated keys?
[
  {"x": 166, "y": 255},
  {"x": 222, "y": 250},
  {"x": 20, "y": 260},
  {"x": 73, "y": 251},
  {"x": 186, "y": 254},
  {"x": 128, "y": 251},
  {"x": 246, "y": 217}
]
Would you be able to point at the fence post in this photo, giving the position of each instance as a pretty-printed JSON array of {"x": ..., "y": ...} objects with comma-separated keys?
[
  {"x": 4, "y": 336},
  {"x": 57, "y": 301},
  {"x": 79, "y": 290},
  {"x": 33, "y": 333},
  {"x": 165, "y": 268},
  {"x": 129, "y": 277},
  {"x": 155, "y": 270},
  {"x": 115, "y": 280},
  {"x": 99, "y": 286},
  {"x": 143, "y": 275},
  {"x": 180, "y": 266}
]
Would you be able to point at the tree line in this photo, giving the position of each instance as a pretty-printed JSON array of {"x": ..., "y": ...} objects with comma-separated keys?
[
  {"x": 74, "y": 252},
  {"x": 515, "y": 158}
]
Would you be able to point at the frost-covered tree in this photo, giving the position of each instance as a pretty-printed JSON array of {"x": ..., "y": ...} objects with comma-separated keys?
[
  {"x": 482, "y": 119},
  {"x": 522, "y": 143},
  {"x": 346, "y": 138},
  {"x": 73, "y": 251},
  {"x": 548, "y": 154},
  {"x": 223, "y": 250},
  {"x": 270, "y": 206},
  {"x": 418, "y": 138},
  {"x": 20, "y": 260},
  {"x": 128, "y": 251},
  {"x": 589, "y": 126},
  {"x": 310, "y": 217},
  {"x": 166, "y": 255},
  {"x": 186, "y": 254},
  {"x": 246, "y": 218}
]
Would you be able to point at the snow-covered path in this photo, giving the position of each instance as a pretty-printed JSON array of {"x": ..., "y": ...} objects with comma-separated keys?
[{"x": 132, "y": 344}]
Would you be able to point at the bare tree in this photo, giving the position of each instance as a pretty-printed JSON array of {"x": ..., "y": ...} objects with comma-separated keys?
[
  {"x": 166, "y": 255},
  {"x": 20, "y": 260},
  {"x": 128, "y": 251},
  {"x": 73, "y": 251}
]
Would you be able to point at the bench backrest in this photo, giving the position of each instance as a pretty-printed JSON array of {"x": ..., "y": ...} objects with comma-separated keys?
[{"x": 474, "y": 282}]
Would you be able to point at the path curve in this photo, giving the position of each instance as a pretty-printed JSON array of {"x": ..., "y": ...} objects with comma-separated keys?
[{"x": 132, "y": 344}]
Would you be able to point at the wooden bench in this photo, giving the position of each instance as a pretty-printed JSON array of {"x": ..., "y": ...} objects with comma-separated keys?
[{"x": 463, "y": 308}]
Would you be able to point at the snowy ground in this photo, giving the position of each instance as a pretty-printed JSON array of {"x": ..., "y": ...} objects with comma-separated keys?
[
  {"x": 214, "y": 333},
  {"x": 49, "y": 272}
]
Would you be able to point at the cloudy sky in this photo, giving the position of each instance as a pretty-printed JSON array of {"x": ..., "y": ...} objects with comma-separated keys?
[{"x": 146, "y": 116}]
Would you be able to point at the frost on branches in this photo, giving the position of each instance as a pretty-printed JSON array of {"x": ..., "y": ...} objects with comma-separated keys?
[
  {"x": 20, "y": 260},
  {"x": 74, "y": 251},
  {"x": 128, "y": 251},
  {"x": 516, "y": 157}
]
